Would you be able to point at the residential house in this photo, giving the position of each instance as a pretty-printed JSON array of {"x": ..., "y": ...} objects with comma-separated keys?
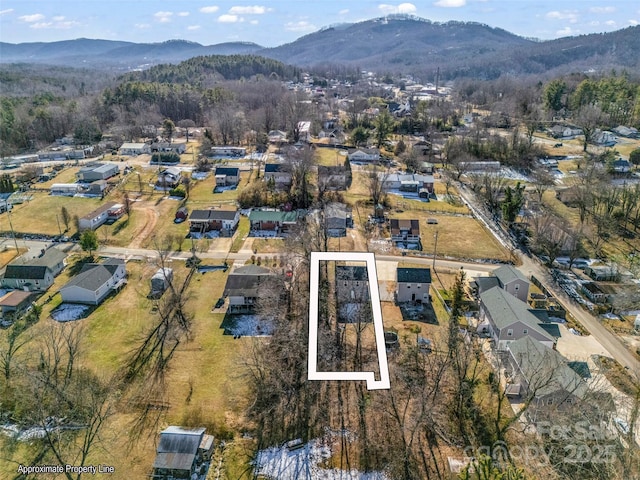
[
  {"x": 413, "y": 285},
  {"x": 537, "y": 372},
  {"x": 110, "y": 211},
  {"x": 94, "y": 282},
  {"x": 564, "y": 132},
  {"x": 183, "y": 453},
  {"x": 34, "y": 274},
  {"x": 245, "y": 285},
  {"x": 603, "y": 273},
  {"x": 170, "y": 147},
  {"x": 135, "y": 149},
  {"x": 629, "y": 132},
  {"x": 226, "y": 176},
  {"x": 410, "y": 182},
  {"x": 64, "y": 189},
  {"x": 97, "y": 188},
  {"x": 5, "y": 202},
  {"x": 338, "y": 218},
  {"x": 332, "y": 137},
  {"x": 278, "y": 173},
  {"x": 513, "y": 281},
  {"x": 97, "y": 171},
  {"x": 594, "y": 293},
  {"x": 364, "y": 155},
  {"x": 15, "y": 302},
  {"x": 352, "y": 293},
  {"x": 227, "y": 152},
  {"x": 404, "y": 231},
  {"x": 605, "y": 138},
  {"x": 169, "y": 178},
  {"x": 506, "y": 277},
  {"x": 277, "y": 136},
  {"x": 621, "y": 166},
  {"x": 507, "y": 319},
  {"x": 223, "y": 221},
  {"x": 264, "y": 222},
  {"x": 333, "y": 178},
  {"x": 304, "y": 131}
]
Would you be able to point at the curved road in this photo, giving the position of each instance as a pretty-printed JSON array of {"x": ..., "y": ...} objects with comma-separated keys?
[{"x": 616, "y": 348}]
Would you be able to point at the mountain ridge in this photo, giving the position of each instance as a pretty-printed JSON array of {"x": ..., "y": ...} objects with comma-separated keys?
[{"x": 403, "y": 44}]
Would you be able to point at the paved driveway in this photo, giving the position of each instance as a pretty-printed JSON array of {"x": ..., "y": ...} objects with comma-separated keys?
[{"x": 577, "y": 347}]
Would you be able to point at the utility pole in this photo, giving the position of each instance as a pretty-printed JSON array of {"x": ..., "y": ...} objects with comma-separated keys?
[
  {"x": 13, "y": 234},
  {"x": 435, "y": 247}
]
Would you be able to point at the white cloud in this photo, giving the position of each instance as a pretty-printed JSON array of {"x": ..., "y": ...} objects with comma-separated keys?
[
  {"x": 142, "y": 26},
  {"x": 57, "y": 24},
  {"x": 193, "y": 27},
  {"x": 254, "y": 22},
  {"x": 301, "y": 26},
  {"x": 249, "y": 10},
  {"x": 402, "y": 8},
  {"x": 163, "y": 17},
  {"x": 211, "y": 9},
  {"x": 610, "y": 23},
  {"x": 450, "y": 3},
  {"x": 633, "y": 23},
  {"x": 36, "y": 17},
  {"x": 183, "y": 14},
  {"x": 4, "y": 12},
  {"x": 572, "y": 16},
  {"x": 343, "y": 12},
  {"x": 566, "y": 32},
  {"x": 59, "y": 18},
  {"x": 226, "y": 18},
  {"x": 602, "y": 9}
]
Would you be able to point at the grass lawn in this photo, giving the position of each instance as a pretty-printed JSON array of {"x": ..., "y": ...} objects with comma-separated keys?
[
  {"x": 459, "y": 237},
  {"x": 210, "y": 366},
  {"x": 202, "y": 191},
  {"x": 268, "y": 245},
  {"x": 329, "y": 157},
  {"x": 241, "y": 234},
  {"x": 40, "y": 214},
  {"x": 9, "y": 252}
]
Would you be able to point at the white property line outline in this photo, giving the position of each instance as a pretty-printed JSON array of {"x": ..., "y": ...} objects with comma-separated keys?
[{"x": 314, "y": 284}]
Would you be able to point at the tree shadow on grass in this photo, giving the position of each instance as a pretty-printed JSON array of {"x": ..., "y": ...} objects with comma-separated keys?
[
  {"x": 120, "y": 226},
  {"x": 76, "y": 268}
]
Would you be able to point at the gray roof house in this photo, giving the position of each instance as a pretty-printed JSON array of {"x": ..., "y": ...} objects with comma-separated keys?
[
  {"x": 34, "y": 274},
  {"x": 94, "y": 282},
  {"x": 183, "y": 453},
  {"x": 352, "y": 292},
  {"x": 509, "y": 319},
  {"x": 540, "y": 373},
  {"x": 506, "y": 277},
  {"x": 413, "y": 285},
  {"x": 244, "y": 287},
  {"x": 338, "y": 218},
  {"x": 224, "y": 221}
]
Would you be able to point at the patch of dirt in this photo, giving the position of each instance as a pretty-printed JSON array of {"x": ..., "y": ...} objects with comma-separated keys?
[{"x": 151, "y": 220}]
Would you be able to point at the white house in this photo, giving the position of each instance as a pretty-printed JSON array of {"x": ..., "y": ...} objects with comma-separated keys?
[
  {"x": 64, "y": 189},
  {"x": 364, "y": 155},
  {"x": 135, "y": 148},
  {"x": 93, "y": 220},
  {"x": 413, "y": 285},
  {"x": 94, "y": 282}
]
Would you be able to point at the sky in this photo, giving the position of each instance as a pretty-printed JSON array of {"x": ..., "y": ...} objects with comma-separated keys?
[{"x": 273, "y": 23}]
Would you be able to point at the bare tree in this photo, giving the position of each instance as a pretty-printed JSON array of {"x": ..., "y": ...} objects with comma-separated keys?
[
  {"x": 542, "y": 180},
  {"x": 375, "y": 181}
]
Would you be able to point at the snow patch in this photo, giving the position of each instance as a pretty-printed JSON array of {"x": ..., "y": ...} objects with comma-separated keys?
[
  {"x": 68, "y": 312},
  {"x": 302, "y": 464}
]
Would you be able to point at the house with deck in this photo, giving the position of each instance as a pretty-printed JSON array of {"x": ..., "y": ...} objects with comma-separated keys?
[
  {"x": 506, "y": 319},
  {"x": 245, "y": 285},
  {"x": 223, "y": 221},
  {"x": 109, "y": 212},
  {"x": 132, "y": 149},
  {"x": 404, "y": 232},
  {"x": 279, "y": 174},
  {"x": 271, "y": 222}
]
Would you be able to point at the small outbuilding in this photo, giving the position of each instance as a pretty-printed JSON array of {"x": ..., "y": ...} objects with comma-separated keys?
[{"x": 161, "y": 281}]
